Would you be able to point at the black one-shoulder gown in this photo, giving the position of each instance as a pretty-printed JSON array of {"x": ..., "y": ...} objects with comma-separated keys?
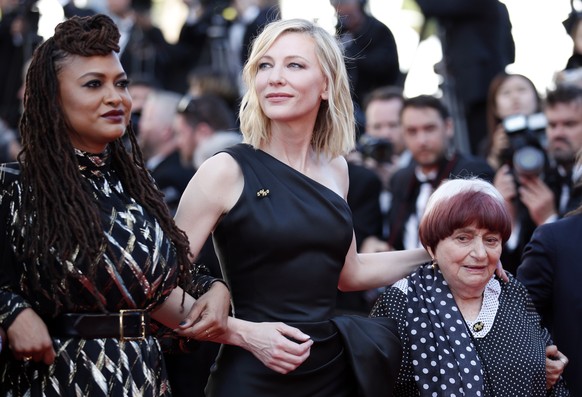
[{"x": 282, "y": 248}]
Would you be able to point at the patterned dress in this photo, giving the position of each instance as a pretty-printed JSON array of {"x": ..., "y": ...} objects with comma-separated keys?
[
  {"x": 138, "y": 271},
  {"x": 502, "y": 351}
]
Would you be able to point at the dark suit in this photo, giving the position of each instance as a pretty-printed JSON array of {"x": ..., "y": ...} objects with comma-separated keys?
[
  {"x": 364, "y": 201},
  {"x": 172, "y": 178},
  {"x": 405, "y": 189},
  {"x": 372, "y": 58},
  {"x": 551, "y": 269}
]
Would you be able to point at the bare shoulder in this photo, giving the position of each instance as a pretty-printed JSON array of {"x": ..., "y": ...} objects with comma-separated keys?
[
  {"x": 220, "y": 168},
  {"x": 339, "y": 169},
  {"x": 219, "y": 179}
]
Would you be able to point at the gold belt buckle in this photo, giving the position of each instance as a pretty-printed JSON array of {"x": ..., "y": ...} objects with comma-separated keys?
[{"x": 122, "y": 313}]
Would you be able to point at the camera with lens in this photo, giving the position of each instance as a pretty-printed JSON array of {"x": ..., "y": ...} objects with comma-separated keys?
[
  {"x": 527, "y": 140},
  {"x": 378, "y": 149}
]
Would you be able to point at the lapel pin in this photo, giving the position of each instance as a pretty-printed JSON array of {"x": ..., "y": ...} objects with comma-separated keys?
[{"x": 263, "y": 193}]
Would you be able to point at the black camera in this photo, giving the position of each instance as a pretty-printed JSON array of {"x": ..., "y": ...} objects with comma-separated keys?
[
  {"x": 378, "y": 149},
  {"x": 527, "y": 138}
]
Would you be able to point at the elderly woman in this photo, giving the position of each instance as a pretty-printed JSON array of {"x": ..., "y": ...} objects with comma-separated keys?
[{"x": 464, "y": 331}]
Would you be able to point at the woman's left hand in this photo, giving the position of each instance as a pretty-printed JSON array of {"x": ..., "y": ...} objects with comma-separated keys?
[
  {"x": 555, "y": 364},
  {"x": 207, "y": 318}
]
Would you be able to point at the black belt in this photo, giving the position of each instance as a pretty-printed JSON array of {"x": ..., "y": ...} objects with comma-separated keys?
[{"x": 125, "y": 325}]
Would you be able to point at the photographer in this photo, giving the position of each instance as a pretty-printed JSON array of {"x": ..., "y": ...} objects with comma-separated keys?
[
  {"x": 535, "y": 197},
  {"x": 512, "y": 98},
  {"x": 381, "y": 149}
]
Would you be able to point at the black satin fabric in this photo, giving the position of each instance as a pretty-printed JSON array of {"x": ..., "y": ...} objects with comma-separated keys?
[
  {"x": 352, "y": 356},
  {"x": 282, "y": 248},
  {"x": 325, "y": 373}
]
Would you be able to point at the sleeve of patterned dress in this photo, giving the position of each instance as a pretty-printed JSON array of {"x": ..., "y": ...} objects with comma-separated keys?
[
  {"x": 11, "y": 303},
  {"x": 171, "y": 342}
]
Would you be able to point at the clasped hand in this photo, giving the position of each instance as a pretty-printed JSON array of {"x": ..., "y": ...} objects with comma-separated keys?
[
  {"x": 29, "y": 338},
  {"x": 279, "y": 346}
]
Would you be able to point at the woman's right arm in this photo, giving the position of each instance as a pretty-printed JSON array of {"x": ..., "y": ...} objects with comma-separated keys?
[
  {"x": 212, "y": 192},
  {"x": 278, "y": 346},
  {"x": 25, "y": 332}
]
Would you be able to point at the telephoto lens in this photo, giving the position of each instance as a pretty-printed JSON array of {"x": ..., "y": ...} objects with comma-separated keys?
[{"x": 528, "y": 161}]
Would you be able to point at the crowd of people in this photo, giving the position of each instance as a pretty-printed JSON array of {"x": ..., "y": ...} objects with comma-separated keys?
[{"x": 259, "y": 210}]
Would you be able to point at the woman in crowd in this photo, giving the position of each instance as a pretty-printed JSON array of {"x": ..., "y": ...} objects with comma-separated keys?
[
  {"x": 464, "y": 331},
  {"x": 514, "y": 103},
  {"x": 509, "y": 95},
  {"x": 89, "y": 250},
  {"x": 283, "y": 231}
]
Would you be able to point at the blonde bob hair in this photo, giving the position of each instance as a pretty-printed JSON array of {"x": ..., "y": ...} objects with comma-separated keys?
[{"x": 334, "y": 130}]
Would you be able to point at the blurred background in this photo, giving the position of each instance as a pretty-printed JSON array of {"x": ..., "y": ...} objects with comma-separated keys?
[{"x": 542, "y": 45}]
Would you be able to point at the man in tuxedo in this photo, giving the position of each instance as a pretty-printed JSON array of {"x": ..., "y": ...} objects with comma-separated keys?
[{"x": 428, "y": 132}]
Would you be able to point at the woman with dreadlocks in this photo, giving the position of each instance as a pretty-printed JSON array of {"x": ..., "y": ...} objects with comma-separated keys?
[{"x": 89, "y": 250}]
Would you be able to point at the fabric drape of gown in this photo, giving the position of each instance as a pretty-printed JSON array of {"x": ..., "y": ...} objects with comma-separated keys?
[{"x": 282, "y": 248}]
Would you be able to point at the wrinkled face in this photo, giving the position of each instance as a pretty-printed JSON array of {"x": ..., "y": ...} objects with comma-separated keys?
[
  {"x": 564, "y": 131},
  {"x": 95, "y": 100},
  {"x": 468, "y": 259},
  {"x": 515, "y": 96},
  {"x": 383, "y": 121},
  {"x": 290, "y": 83},
  {"x": 426, "y": 134}
]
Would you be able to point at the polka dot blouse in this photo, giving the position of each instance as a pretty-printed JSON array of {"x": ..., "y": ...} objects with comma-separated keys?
[{"x": 507, "y": 336}]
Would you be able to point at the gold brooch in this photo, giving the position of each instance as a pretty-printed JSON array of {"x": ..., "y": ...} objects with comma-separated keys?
[
  {"x": 478, "y": 326},
  {"x": 263, "y": 193}
]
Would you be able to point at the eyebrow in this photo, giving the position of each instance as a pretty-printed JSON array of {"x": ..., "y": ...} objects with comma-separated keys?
[
  {"x": 98, "y": 74},
  {"x": 286, "y": 58}
]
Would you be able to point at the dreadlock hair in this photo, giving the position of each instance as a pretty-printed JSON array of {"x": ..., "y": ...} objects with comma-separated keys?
[{"x": 60, "y": 220}]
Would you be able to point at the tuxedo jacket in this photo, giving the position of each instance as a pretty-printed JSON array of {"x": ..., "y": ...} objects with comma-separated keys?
[
  {"x": 405, "y": 188},
  {"x": 551, "y": 269},
  {"x": 364, "y": 201}
]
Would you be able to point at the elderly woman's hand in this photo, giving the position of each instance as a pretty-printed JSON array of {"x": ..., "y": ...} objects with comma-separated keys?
[
  {"x": 29, "y": 338},
  {"x": 555, "y": 364}
]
